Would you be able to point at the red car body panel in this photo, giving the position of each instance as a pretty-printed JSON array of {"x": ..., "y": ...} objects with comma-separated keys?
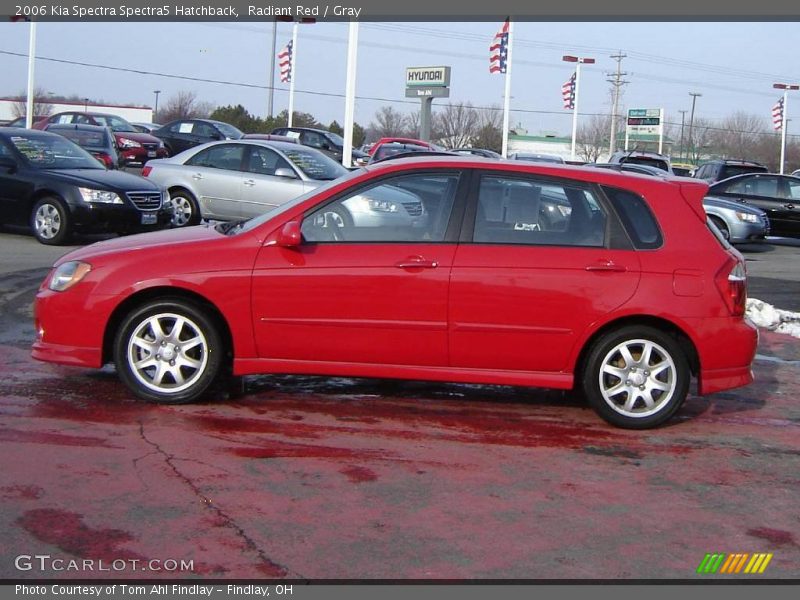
[{"x": 498, "y": 314}]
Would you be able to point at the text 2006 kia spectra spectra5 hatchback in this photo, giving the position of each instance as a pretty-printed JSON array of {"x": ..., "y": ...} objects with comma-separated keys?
[{"x": 433, "y": 268}]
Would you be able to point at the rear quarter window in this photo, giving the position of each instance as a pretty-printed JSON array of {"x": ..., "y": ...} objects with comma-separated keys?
[{"x": 637, "y": 218}]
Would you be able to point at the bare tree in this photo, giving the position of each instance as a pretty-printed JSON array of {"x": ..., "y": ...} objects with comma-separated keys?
[
  {"x": 456, "y": 125},
  {"x": 388, "y": 122},
  {"x": 489, "y": 134},
  {"x": 41, "y": 108},
  {"x": 412, "y": 124},
  {"x": 699, "y": 142},
  {"x": 738, "y": 135},
  {"x": 592, "y": 137},
  {"x": 183, "y": 105}
]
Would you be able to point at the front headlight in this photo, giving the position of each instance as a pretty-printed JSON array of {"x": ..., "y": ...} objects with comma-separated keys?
[
  {"x": 748, "y": 217},
  {"x": 381, "y": 205},
  {"x": 128, "y": 143},
  {"x": 68, "y": 274},
  {"x": 99, "y": 196}
]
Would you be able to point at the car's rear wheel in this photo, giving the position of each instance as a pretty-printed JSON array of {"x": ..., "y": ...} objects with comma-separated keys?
[
  {"x": 168, "y": 351},
  {"x": 636, "y": 377},
  {"x": 185, "y": 210},
  {"x": 50, "y": 221},
  {"x": 723, "y": 227}
]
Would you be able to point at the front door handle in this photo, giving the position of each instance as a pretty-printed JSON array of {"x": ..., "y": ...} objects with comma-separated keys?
[
  {"x": 606, "y": 265},
  {"x": 249, "y": 182},
  {"x": 416, "y": 262},
  {"x": 197, "y": 176},
  {"x": 788, "y": 206}
]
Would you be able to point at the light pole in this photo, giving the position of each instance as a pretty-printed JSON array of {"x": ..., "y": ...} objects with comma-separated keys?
[
  {"x": 578, "y": 60},
  {"x": 694, "y": 96},
  {"x": 683, "y": 119},
  {"x": 785, "y": 87},
  {"x": 155, "y": 111}
]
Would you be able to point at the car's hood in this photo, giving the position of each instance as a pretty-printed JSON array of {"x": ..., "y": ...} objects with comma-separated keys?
[
  {"x": 732, "y": 204},
  {"x": 149, "y": 241},
  {"x": 99, "y": 178},
  {"x": 142, "y": 138}
]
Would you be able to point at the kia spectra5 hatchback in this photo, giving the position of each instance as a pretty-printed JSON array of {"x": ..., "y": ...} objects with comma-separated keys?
[{"x": 431, "y": 268}]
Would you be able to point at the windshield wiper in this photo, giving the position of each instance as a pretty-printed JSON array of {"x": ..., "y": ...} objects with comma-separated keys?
[{"x": 231, "y": 227}]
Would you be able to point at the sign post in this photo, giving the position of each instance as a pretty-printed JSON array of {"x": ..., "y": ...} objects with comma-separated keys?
[
  {"x": 645, "y": 121},
  {"x": 427, "y": 83}
]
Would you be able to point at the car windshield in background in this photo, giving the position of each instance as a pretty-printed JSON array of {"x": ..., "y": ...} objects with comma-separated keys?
[
  {"x": 650, "y": 162},
  {"x": 336, "y": 139},
  {"x": 116, "y": 123},
  {"x": 54, "y": 153},
  {"x": 229, "y": 131},
  {"x": 87, "y": 139},
  {"x": 733, "y": 170},
  {"x": 315, "y": 165}
]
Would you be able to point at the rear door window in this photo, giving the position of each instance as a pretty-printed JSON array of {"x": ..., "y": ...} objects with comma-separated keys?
[{"x": 636, "y": 217}]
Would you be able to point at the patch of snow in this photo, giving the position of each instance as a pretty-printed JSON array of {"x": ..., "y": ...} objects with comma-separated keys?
[{"x": 767, "y": 316}]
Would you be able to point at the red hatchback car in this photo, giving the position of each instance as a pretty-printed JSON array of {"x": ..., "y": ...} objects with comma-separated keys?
[{"x": 432, "y": 268}]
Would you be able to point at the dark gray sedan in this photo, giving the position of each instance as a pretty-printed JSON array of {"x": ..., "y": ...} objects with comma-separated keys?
[{"x": 239, "y": 179}]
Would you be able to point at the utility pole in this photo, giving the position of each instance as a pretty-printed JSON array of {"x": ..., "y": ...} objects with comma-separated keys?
[
  {"x": 617, "y": 82},
  {"x": 683, "y": 119},
  {"x": 694, "y": 96}
]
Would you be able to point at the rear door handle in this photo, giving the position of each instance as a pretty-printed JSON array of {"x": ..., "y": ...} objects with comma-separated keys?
[
  {"x": 416, "y": 262},
  {"x": 249, "y": 182},
  {"x": 197, "y": 177},
  {"x": 606, "y": 265}
]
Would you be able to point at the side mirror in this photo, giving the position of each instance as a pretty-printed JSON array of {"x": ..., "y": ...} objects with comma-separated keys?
[
  {"x": 285, "y": 172},
  {"x": 8, "y": 164},
  {"x": 290, "y": 236}
]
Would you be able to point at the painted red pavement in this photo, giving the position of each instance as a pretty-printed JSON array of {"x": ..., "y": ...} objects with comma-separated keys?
[{"x": 317, "y": 478}]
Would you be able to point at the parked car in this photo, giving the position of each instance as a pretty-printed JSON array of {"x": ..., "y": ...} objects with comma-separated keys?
[
  {"x": 736, "y": 222},
  {"x": 549, "y": 158},
  {"x": 56, "y": 187},
  {"x": 375, "y": 148},
  {"x": 183, "y": 134},
  {"x": 325, "y": 141},
  {"x": 273, "y": 137},
  {"x": 683, "y": 169},
  {"x": 641, "y": 157},
  {"x": 146, "y": 127},
  {"x": 778, "y": 195},
  {"x": 239, "y": 178},
  {"x": 134, "y": 148},
  {"x": 395, "y": 149},
  {"x": 717, "y": 170},
  {"x": 96, "y": 140},
  {"x": 21, "y": 121},
  {"x": 478, "y": 152},
  {"x": 629, "y": 300}
]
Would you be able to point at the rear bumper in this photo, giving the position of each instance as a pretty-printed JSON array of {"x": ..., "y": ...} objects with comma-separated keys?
[{"x": 726, "y": 354}]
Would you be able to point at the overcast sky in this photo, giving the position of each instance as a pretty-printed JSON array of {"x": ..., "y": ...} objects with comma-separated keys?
[{"x": 733, "y": 65}]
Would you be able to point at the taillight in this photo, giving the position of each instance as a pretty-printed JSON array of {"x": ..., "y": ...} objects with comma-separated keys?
[
  {"x": 732, "y": 284},
  {"x": 104, "y": 158},
  {"x": 146, "y": 171}
]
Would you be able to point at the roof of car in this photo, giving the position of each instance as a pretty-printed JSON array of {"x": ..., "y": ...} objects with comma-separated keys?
[
  {"x": 76, "y": 126},
  {"x": 733, "y": 161},
  {"x": 16, "y": 131}
]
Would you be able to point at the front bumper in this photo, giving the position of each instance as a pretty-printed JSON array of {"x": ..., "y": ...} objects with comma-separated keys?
[{"x": 119, "y": 218}]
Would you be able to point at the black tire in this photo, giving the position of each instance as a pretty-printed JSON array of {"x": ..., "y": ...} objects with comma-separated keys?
[
  {"x": 194, "y": 353},
  {"x": 618, "y": 388},
  {"x": 722, "y": 226},
  {"x": 51, "y": 222},
  {"x": 186, "y": 210}
]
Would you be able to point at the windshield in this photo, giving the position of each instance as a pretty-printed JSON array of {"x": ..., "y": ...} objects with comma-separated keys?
[
  {"x": 256, "y": 221},
  {"x": 336, "y": 139},
  {"x": 116, "y": 123},
  {"x": 650, "y": 162},
  {"x": 229, "y": 131},
  {"x": 315, "y": 165},
  {"x": 54, "y": 153}
]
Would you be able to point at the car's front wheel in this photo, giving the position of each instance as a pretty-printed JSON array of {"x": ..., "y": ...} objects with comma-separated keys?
[
  {"x": 168, "y": 351},
  {"x": 185, "y": 210},
  {"x": 50, "y": 221},
  {"x": 636, "y": 377},
  {"x": 723, "y": 227}
]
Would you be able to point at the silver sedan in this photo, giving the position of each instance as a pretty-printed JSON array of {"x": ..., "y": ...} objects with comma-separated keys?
[{"x": 239, "y": 179}]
